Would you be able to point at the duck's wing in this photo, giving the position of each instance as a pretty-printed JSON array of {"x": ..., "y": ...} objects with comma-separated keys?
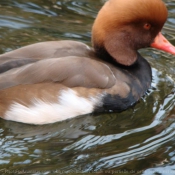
[
  {"x": 70, "y": 71},
  {"x": 9, "y": 63},
  {"x": 43, "y": 50}
]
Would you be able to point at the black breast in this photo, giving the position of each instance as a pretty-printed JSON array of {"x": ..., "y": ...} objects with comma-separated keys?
[{"x": 139, "y": 78}]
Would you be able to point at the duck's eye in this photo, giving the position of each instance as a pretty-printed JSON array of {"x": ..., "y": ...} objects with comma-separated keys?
[{"x": 147, "y": 26}]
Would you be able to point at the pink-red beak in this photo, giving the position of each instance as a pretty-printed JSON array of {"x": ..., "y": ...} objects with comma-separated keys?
[{"x": 161, "y": 43}]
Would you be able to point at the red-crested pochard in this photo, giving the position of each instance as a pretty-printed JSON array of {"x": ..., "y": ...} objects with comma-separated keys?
[{"x": 56, "y": 80}]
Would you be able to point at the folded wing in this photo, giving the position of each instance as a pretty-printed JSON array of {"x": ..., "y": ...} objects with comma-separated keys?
[{"x": 71, "y": 71}]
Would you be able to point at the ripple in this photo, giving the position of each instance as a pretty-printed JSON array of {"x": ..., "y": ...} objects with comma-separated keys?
[
  {"x": 14, "y": 22},
  {"x": 167, "y": 170},
  {"x": 33, "y": 8}
]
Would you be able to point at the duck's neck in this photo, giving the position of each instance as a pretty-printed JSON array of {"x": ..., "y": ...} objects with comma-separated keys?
[{"x": 102, "y": 53}]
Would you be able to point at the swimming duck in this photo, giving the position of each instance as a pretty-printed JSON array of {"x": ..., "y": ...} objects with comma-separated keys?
[{"x": 52, "y": 81}]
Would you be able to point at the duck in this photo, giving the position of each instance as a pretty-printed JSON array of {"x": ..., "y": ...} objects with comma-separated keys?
[{"x": 52, "y": 81}]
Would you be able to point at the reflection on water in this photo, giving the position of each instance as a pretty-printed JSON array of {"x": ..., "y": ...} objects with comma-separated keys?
[{"x": 139, "y": 140}]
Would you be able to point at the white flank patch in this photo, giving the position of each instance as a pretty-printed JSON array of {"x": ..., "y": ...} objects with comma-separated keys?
[{"x": 69, "y": 105}]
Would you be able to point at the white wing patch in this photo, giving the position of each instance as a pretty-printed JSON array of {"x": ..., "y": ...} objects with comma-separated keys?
[{"x": 69, "y": 105}]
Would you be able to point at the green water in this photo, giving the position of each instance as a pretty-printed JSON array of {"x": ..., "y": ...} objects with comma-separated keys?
[{"x": 140, "y": 140}]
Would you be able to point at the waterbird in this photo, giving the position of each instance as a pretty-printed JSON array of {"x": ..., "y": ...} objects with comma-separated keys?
[{"x": 53, "y": 81}]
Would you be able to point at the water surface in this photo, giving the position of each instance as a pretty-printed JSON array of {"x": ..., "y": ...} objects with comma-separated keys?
[{"x": 140, "y": 140}]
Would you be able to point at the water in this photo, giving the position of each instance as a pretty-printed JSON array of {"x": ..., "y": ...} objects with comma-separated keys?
[{"x": 140, "y": 140}]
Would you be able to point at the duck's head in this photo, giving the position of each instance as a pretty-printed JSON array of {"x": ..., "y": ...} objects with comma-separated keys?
[{"x": 124, "y": 26}]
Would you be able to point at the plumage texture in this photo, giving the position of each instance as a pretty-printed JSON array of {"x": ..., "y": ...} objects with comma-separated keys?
[{"x": 53, "y": 81}]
